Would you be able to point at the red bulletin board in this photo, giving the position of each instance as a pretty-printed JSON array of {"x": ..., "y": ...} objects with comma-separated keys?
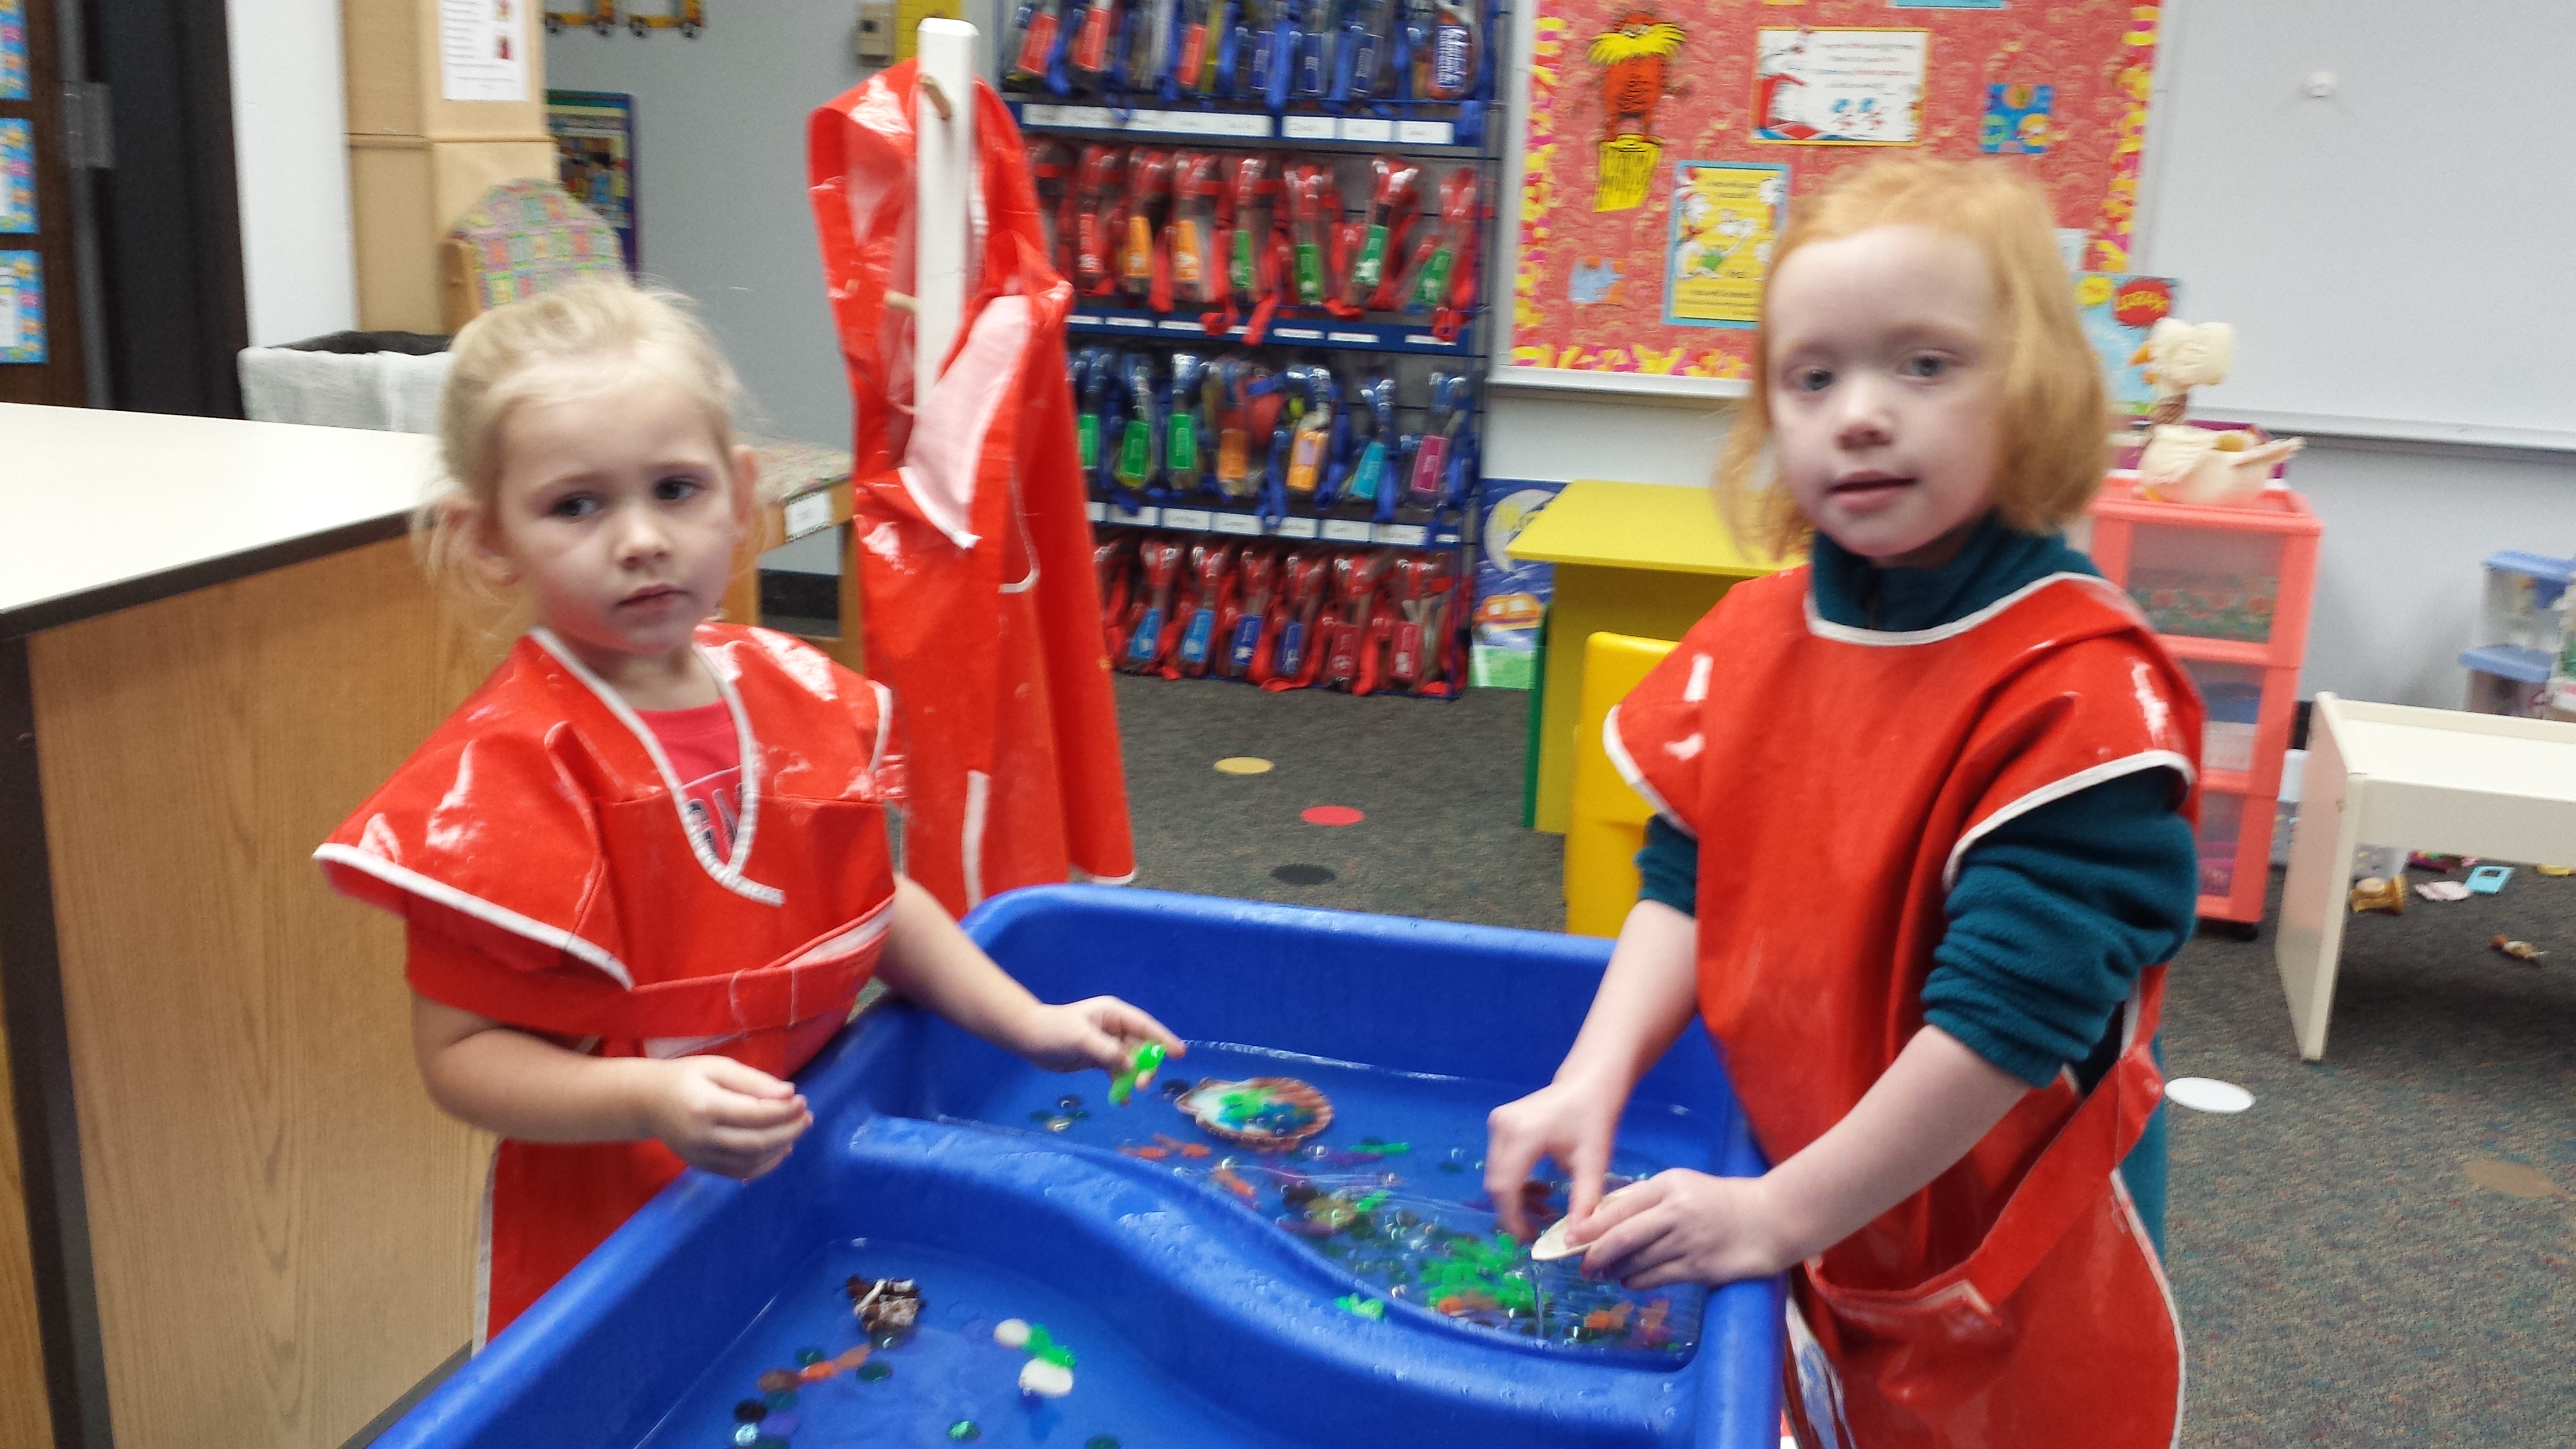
[{"x": 1667, "y": 141}]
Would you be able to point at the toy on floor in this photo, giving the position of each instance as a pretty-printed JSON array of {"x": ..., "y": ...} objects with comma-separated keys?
[{"x": 2522, "y": 951}]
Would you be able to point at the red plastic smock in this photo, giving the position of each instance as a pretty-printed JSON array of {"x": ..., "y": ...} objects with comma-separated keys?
[
  {"x": 973, "y": 543},
  {"x": 1834, "y": 777},
  {"x": 536, "y": 848}
]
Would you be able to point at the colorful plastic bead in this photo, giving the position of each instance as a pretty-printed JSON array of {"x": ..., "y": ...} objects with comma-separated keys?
[
  {"x": 751, "y": 1411},
  {"x": 963, "y": 1430},
  {"x": 746, "y": 1434}
]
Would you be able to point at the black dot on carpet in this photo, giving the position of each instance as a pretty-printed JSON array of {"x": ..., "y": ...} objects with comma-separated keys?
[{"x": 1302, "y": 875}]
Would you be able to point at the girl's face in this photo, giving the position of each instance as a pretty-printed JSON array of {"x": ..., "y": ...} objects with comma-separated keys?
[
  {"x": 1886, "y": 386},
  {"x": 620, "y": 513}
]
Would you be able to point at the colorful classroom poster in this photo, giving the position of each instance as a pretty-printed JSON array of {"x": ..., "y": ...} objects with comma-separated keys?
[
  {"x": 1840, "y": 87},
  {"x": 2017, "y": 119},
  {"x": 17, "y": 176},
  {"x": 594, "y": 135},
  {"x": 13, "y": 50},
  {"x": 2118, "y": 311},
  {"x": 1725, "y": 216},
  {"x": 1622, "y": 90},
  {"x": 22, "y": 307},
  {"x": 1947, "y": 4}
]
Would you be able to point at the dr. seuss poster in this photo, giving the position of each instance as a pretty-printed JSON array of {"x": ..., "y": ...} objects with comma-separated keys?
[{"x": 1668, "y": 145}]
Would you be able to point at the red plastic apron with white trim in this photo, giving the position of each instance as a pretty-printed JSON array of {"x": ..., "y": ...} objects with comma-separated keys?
[
  {"x": 536, "y": 845},
  {"x": 973, "y": 544},
  {"x": 1833, "y": 778}
]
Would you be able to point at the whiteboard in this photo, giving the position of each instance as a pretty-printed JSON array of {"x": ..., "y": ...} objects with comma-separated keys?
[{"x": 2398, "y": 255}]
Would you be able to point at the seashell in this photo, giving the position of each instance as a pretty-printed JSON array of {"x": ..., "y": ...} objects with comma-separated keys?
[{"x": 1267, "y": 1114}]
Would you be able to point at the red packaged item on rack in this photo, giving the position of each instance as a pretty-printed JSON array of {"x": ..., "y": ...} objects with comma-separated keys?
[
  {"x": 1095, "y": 226},
  {"x": 1426, "y": 595},
  {"x": 1314, "y": 211},
  {"x": 1158, "y": 570},
  {"x": 1208, "y": 612},
  {"x": 1359, "y": 632},
  {"x": 1091, "y": 42},
  {"x": 1248, "y": 637},
  {"x": 1394, "y": 195},
  {"x": 1439, "y": 276},
  {"x": 1295, "y": 652},
  {"x": 1190, "y": 241},
  {"x": 1113, "y": 564},
  {"x": 1254, "y": 252},
  {"x": 1052, "y": 164},
  {"x": 1140, "y": 260}
]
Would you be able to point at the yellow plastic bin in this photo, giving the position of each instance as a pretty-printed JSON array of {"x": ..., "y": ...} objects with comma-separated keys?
[{"x": 1605, "y": 820}]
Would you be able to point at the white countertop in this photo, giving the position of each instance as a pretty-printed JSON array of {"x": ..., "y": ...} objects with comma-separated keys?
[
  {"x": 131, "y": 506},
  {"x": 2451, "y": 750}
]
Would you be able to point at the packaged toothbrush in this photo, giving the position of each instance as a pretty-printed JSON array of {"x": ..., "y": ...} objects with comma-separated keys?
[
  {"x": 1184, "y": 467},
  {"x": 1361, "y": 58},
  {"x": 1428, "y": 483},
  {"x": 1149, "y": 191},
  {"x": 1096, "y": 202},
  {"x": 1314, "y": 206},
  {"x": 1140, "y": 444},
  {"x": 1393, "y": 194},
  {"x": 1190, "y": 247}
]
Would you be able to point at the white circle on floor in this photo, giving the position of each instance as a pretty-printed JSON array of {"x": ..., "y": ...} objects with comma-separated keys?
[{"x": 2202, "y": 1094}]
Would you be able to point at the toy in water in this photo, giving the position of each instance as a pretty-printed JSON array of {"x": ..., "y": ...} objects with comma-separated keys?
[
  {"x": 1359, "y": 1306},
  {"x": 885, "y": 1305},
  {"x": 1266, "y": 1114},
  {"x": 2522, "y": 951},
  {"x": 2185, "y": 464},
  {"x": 1394, "y": 192},
  {"x": 2179, "y": 356},
  {"x": 1049, "y": 1372},
  {"x": 1139, "y": 1073},
  {"x": 1551, "y": 1245},
  {"x": 1149, "y": 191}
]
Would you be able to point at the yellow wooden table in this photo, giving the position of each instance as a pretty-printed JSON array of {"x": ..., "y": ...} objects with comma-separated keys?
[{"x": 1631, "y": 558}]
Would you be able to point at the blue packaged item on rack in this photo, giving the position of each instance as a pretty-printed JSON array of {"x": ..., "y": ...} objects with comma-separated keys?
[
  {"x": 1360, "y": 68},
  {"x": 1310, "y": 77}
]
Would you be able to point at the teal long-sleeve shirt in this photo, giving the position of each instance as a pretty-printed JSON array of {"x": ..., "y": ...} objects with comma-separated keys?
[{"x": 2054, "y": 913}]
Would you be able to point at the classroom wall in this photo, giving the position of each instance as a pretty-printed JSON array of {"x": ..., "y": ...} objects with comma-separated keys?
[{"x": 290, "y": 155}]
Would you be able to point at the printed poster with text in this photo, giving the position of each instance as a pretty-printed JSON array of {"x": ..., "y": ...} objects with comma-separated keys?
[{"x": 1668, "y": 145}]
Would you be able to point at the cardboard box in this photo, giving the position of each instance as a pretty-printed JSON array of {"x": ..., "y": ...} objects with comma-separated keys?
[
  {"x": 390, "y": 53},
  {"x": 404, "y": 194}
]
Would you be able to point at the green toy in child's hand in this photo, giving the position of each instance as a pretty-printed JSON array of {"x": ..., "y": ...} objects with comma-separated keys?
[{"x": 1140, "y": 1073}]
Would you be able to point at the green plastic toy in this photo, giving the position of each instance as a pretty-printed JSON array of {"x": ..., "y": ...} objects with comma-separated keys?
[{"x": 1149, "y": 1059}]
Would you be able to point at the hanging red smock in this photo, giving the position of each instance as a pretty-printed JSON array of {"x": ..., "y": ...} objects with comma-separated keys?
[
  {"x": 536, "y": 846},
  {"x": 1834, "y": 777},
  {"x": 973, "y": 544}
]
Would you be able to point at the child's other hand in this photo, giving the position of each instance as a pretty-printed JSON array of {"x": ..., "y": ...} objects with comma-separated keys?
[
  {"x": 1101, "y": 1032},
  {"x": 1681, "y": 1226},
  {"x": 724, "y": 1117},
  {"x": 1573, "y": 1124}
]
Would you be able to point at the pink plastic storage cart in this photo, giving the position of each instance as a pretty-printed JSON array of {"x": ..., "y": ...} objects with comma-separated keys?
[{"x": 2227, "y": 588}]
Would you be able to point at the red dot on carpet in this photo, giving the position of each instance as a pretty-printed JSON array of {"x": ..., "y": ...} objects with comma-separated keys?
[{"x": 1331, "y": 815}]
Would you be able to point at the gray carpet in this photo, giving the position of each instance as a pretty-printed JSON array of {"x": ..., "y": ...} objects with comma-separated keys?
[{"x": 2342, "y": 1276}]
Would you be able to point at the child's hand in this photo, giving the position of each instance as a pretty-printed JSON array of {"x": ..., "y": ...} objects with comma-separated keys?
[
  {"x": 1681, "y": 1226},
  {"x": 723, "y": 1117},
  {"x": 1102, "y": 1032},
  {"x": 1573, "y": 1124}
]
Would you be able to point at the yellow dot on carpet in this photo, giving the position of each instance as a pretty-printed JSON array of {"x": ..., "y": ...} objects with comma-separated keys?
[{"x": 1244, "y": 765}]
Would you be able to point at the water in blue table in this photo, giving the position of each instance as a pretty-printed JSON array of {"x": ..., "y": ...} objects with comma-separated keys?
[
  {"x": 795, "y": 1379},
  {"x": 1391, "y": 1190}
]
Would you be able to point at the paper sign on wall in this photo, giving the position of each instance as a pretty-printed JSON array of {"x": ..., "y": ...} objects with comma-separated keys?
[
  {"x": 483, "y": 50},
  {"x": 22, "y": 307},
  {"x": 1725, "y": 216},
  {"x": 1839, "y": 87}
]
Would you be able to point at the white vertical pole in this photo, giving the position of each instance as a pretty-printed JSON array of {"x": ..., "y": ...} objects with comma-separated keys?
[{"x": 944, "y": 180}]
